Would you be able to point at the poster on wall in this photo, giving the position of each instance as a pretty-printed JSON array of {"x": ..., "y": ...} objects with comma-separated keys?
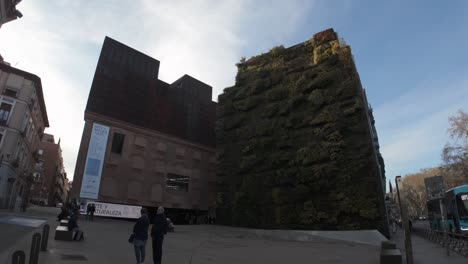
[
  {"x": 115, "y": 210},
  {"x": 94, "y": 161}
]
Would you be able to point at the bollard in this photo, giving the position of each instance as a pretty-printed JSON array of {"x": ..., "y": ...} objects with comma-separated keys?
[
  {"x": 45, "y": 237},
  {"x": 35, "y": 247},
  {"x": 18, "y": 257},
  {"x": 388, "y": 245}
]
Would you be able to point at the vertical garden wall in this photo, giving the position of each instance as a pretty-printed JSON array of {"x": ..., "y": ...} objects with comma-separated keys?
[{"x": 295, "y": 143}]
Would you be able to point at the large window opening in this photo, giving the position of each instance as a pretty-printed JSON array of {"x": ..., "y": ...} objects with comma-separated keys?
[
  {"x": 117, "y": 143},
  {"x": 5, "y": 111},
  {"x": 10, "y": 92},
  {"x": 177, "y": 182}
]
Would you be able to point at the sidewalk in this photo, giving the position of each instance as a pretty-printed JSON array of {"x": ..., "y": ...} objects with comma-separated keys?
[{"x": 427, "y": 252}]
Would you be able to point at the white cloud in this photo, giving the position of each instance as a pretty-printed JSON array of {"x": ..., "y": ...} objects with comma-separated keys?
[
  {"x": 413, "y": 128},
  {"x": 60, "y": 42}
]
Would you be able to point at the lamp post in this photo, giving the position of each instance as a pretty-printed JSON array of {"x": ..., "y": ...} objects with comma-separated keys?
[{"x": 405, "y": 220}]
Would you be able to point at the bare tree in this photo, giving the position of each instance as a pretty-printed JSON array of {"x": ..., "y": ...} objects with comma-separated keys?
[
  {"x": 416, "y": 190},
  {"x": 455, "y": 152}
]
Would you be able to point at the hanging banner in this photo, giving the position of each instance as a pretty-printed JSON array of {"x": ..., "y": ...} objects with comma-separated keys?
[
  {"x": 94, "y": 161},
  {"x": 115, "y": 210}
]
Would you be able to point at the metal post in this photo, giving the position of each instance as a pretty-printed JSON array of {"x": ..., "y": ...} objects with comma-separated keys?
[
  {"x": 405, "y": 220},
  {"x": 45, "y": 237},
  {"x": 18, "y": 257},
  {"x": 35, "y": 247},
  {"x": 444, "y": 224}
]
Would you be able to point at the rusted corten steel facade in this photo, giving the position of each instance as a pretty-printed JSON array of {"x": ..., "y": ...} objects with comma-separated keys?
[{"x": 167, "y": 129}]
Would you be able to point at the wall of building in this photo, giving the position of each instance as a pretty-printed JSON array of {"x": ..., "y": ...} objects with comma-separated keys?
[
  {"x": 295, "y": 142},
  {"x": 138, "y": 175},
  {"x": 168, "y": 130},
  {"x": 23, "y": 119},
  {"x": 8, "y": 11},
  {"x": 50, "y": 182}
]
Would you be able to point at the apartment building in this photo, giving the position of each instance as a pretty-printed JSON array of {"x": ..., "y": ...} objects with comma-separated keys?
[
  {"x": 50, "y": 185},
  {"x": 23, "y": 118},
  {"x": 8, "y": 11}
]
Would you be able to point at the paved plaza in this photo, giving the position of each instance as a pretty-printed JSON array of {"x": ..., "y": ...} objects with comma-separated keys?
[{"x": 106, "y": 242}]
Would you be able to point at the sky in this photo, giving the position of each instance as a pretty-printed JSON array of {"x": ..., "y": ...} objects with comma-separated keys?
[{"x": 411, "y": 56}]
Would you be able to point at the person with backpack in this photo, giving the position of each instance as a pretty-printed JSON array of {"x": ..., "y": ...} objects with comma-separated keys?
[{"x": 140, "y": 236}]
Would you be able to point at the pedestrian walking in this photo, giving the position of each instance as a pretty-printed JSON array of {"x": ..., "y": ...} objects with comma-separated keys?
[
  {"x": 158, "y": 231},
  {"x": 88, "y": 211},
  {"x": 394, "y": 224},
  {"x": 140, "y": 231},
  {"x": 91, "y": 212}
]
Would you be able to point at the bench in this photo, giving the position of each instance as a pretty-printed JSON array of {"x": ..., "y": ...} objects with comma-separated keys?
[
  {"x": 64, "y": 223},
  {"x": 62, "y": 233}
]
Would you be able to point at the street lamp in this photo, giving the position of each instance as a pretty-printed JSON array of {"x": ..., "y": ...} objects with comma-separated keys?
[{"x": 405, "y": 221}]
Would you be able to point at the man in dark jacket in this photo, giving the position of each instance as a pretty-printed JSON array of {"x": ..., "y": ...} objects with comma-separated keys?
[
  {"x": 91, "y": 212},
  {"x": 157, "y": 233},
  {"x": 73, "y": 226},
  {"x": 140, "y": 229},
  {"x": 88, "y": 210}
]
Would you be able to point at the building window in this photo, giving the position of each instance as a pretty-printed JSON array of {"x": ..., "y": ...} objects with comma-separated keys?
[
  {"x": 5, "y": 111},
  {"x": 177, "y": 182},
  {"x": 117, "y": 143},
  {"x": 2, "y": 134},
  {"x": 10, "y": 92}
]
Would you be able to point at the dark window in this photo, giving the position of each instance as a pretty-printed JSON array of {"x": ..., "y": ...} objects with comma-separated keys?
[
  {"x": 177, "y": 182},
  {"x": 1, "y": 137},
  {"x": 10, "y": 92},
  {"x": 462, "y": 204},
  {"x": 449, "y": 206},
  {"x": 117, "y": 143},
  {"x": 5, "y": 110}
]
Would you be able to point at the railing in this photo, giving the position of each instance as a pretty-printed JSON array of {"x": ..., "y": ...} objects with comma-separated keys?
[{"x": 456, "y": 242}]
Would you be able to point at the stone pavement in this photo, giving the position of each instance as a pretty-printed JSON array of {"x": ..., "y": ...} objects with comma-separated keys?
[
  {"x": 427, "y": 252},
  {"x": 106, "y": 242}
]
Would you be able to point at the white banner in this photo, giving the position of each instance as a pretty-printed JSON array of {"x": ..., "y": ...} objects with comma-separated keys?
[
  {"x": 115, "y": 210},
  {"x": 94, "y": 161}
]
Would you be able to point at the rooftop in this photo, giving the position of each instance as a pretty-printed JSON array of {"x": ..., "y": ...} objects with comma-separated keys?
[{"x": 126, "y": 87}]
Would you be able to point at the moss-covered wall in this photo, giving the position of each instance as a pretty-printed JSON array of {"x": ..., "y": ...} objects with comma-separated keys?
[{"x": 294, "y": 142}]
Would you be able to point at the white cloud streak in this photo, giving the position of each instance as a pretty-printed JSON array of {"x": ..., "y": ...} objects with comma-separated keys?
[
  {"x": 60, "y": 42},
  {"x": 413, "y": 128}
]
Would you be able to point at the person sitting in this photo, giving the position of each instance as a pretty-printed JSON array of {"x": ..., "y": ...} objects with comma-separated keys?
[
  {"x": 73, "y": 226},
  {"x": 63, "y": 214}
]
